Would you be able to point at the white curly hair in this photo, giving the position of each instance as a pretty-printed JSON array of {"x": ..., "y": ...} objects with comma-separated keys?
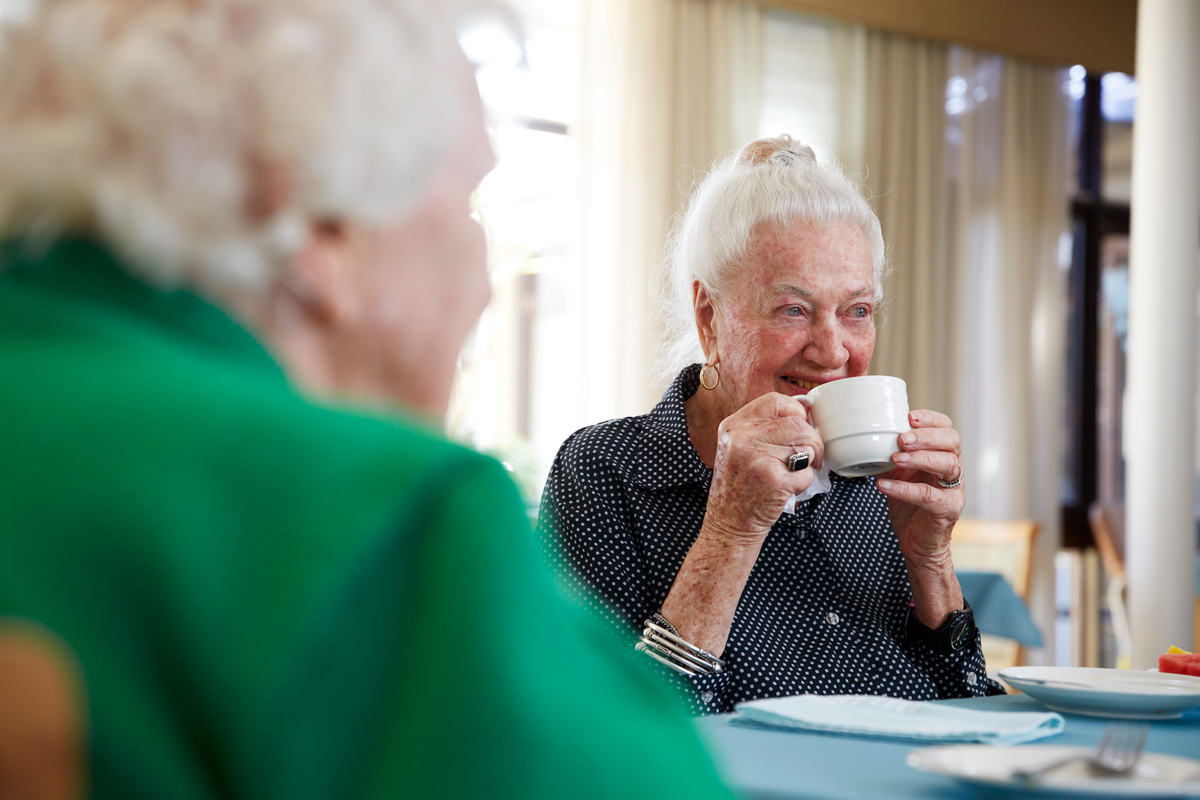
[
  {"x": 777, "y": 181},
  {"x": 148, "y": 124}
]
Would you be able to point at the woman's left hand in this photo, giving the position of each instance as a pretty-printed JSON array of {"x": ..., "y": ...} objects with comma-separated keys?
[{"x": 923, "y": 512}]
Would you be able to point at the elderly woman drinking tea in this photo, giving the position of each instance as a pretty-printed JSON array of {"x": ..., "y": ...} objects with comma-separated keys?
[{"x": 676, "y": 519}]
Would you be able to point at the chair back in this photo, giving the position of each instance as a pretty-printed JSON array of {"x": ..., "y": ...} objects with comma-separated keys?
[
  {"x": 1108, "y": 529},
  {"x": 1003, "y": 546},
  {"x": 1006, "y": 547},
  {"x": 42, "y": 728}
]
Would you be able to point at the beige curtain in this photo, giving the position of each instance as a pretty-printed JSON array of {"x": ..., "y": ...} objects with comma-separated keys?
[
  {"x": 667, "y": 86},
  {"x": 1009, "y": 161},
  {"x": 903, "y": 154},
  {"x": 966, "y": 156}
]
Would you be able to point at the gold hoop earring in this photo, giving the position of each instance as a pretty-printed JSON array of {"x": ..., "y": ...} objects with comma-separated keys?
[{"x": 714, "y": 367}]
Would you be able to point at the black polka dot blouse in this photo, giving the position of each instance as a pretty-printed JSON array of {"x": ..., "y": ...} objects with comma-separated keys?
[{"x": 824, "y": 607}]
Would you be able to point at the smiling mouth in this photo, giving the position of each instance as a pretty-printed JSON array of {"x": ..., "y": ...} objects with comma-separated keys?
[{"x": 809, "y": 385}]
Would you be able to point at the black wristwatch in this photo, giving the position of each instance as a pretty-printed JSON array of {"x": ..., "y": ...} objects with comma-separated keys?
[{"x": 956, "y": 634}]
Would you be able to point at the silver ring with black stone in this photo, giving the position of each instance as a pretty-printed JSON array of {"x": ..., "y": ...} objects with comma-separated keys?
[{"x": 798, "y": 461}]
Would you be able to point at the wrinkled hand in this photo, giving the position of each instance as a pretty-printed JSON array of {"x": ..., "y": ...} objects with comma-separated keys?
[
  {"x": 751, "y": 481},
  {"x": 923, "y": 513}
]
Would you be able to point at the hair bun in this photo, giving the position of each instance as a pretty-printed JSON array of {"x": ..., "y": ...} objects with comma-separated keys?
[{"x": 781, "y": 150}]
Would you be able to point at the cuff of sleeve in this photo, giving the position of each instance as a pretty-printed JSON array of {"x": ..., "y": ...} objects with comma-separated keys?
[
  {"x": 712, "y": 692},
  {"x": 703, "y": 694},
  {"x": 707, "y": 694},
  {"x": 965, "y": 671}
]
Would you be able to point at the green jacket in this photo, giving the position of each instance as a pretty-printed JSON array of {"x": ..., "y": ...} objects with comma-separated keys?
[{"x": 274, "y": 599}]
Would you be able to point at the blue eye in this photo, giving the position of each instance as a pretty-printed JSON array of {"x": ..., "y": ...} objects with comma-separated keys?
[
  {"x": 860, "y": 312},
  {"x": 793, "y": 311}
]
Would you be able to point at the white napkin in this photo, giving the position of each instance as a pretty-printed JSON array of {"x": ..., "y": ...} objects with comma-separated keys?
[
  {"x": 889, "y": 718},
  {"x": 820, "y": 484}
]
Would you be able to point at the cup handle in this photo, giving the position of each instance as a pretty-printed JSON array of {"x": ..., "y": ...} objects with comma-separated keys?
[{"x": 807, "y": 401}]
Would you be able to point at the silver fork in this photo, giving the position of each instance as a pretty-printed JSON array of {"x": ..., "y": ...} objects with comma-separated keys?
[{"x": 1118, "y": 753}]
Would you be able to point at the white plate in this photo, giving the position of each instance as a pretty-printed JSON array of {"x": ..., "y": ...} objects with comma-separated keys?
[
  {"x": 989, "y": 767},
  {"x": 1116, "y": 693}
]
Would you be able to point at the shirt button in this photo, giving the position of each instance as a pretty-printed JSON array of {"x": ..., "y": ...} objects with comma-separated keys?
[
  {"x": 971, "y": 679},
  {"x": 832, "y": 618},
  {"x": 706, "y": 697}
]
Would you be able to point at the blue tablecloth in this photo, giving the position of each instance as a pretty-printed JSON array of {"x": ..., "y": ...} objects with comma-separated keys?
[
  {"x": 998, "y": 610},
  {"x": 781, "y": 764}
]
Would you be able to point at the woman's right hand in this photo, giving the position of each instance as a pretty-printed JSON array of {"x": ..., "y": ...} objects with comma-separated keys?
[
  {"x": 751, "y": 481},
  {"x": 751, "y": 484}
]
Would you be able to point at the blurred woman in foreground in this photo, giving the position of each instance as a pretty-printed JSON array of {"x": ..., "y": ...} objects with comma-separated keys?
[{"x": 209, "y": 211}]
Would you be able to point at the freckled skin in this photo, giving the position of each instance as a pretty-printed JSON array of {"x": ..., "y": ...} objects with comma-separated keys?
[
  {"x": 767, "y": 330},
  {"x": 800, "y": 305}
]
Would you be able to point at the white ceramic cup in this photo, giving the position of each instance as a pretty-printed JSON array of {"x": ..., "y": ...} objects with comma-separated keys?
[{"x": 859, "y": 419}]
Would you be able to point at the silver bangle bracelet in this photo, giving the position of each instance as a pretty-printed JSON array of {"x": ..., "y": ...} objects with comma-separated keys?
[
  {"x": 662, "y": 642},
  {"x": 671, "y": 650},
  {"x": 675, "y": 662},
  {"x": 669, "y": 633},
  {"x": 704, "y": 664},
  {"x": 642, "y": 647},
  {"x": 658, "y": 619}
]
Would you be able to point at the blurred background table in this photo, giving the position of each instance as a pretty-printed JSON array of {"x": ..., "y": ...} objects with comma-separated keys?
[
  {"x": 998, "y": 609},
  {"x": 764, "y": 763}
]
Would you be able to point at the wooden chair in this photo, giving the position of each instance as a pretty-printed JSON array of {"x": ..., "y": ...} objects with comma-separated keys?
[
  {"x": 42, "y": 728},
  {"x": 1108, "y": 529},
  {"x": 1006, "y": 547},
  {"x": 1107, "y": 522}
]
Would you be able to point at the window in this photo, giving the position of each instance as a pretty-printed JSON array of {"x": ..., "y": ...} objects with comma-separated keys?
[
  {"x": 505, "y": 396},
  {"x": 1094, "y": 468}
]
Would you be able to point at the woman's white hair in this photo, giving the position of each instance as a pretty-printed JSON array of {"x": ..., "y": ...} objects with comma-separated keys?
[
  {"x": 154, "y": 125},
  {"x": 774, "y": 181}
]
